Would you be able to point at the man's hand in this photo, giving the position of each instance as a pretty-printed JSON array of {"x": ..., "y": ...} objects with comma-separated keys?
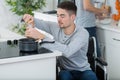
[
  {"x": 106, "y": 10},
  {"x": 29, "y": 19},
  {"x": 33, "y": 33}
]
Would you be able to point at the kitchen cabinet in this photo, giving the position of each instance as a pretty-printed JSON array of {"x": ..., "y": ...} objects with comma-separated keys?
[
  {"x": 29, "y": 67},
  {"x": 109, "y": 42}
]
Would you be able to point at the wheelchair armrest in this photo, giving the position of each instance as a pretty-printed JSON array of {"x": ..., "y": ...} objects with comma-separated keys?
[{"x": 99, "y": 60}]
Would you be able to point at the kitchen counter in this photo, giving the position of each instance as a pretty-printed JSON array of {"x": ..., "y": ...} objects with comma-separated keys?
[
  {"x": 112, "y": 26},
  {"x": 31, "y": 67},
  {"x": 109, "y": 41},
  {"x": 30, "y": 57}
]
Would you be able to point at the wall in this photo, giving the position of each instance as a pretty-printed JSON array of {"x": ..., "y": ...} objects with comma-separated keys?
[
  {"x": 6, "y": 17},
  {"x": 112, "y": 4},
  {"x": 50, "y": 5}
]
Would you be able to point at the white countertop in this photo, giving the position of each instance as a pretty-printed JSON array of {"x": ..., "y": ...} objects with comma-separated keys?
[
  {"x": 112, "y": 26},
  {"x": 29, "y": 58}
]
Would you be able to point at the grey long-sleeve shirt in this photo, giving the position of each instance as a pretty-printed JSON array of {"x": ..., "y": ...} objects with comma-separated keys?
[{"x": 74, "y": 46}]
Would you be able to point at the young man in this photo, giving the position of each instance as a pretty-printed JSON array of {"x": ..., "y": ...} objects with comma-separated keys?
[{"x": 70, "y": 39}]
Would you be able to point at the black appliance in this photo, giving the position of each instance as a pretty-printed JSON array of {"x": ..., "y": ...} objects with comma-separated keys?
[{"x": 10, "y": 48}]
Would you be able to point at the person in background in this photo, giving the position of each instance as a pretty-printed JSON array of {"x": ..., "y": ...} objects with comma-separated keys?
[
  {"x": 69, "y": 38},
  {"x": 86, "y": 16}
]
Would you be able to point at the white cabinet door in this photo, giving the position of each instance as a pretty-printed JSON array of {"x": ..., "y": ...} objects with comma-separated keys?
[
  {"x": 109, "y": 42},
  {"x": 113, "y": 54},
  {"x": 113, "y": 58}
]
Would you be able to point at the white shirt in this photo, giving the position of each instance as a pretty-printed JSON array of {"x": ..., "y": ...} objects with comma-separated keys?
[{"x": 84, "y": 18}]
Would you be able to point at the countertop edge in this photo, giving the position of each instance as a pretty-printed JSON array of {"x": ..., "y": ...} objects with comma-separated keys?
[
  {"x": 110, "y": 27},
  {"x": 31, "y": 57}
]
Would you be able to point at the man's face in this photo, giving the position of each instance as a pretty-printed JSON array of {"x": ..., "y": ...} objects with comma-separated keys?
[{"x": 64, "y": 19}]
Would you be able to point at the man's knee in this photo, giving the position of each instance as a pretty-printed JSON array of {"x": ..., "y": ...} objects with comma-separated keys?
[
  {"x": 89, "y": 75},
  {"x": 65, "y": 75}
]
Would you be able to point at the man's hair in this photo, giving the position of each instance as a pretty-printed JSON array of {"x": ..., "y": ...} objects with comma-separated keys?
[{"x": 69, "y": 6}]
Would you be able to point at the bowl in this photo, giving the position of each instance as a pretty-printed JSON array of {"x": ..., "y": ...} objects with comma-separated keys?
[{"x": 106, "y": 21}]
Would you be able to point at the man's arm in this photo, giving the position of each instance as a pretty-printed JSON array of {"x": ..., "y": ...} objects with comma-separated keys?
[
  {"x": 90, "y": 7},
  {"x": 33, "y": 32},
  {"x": 77, "y": 42}
]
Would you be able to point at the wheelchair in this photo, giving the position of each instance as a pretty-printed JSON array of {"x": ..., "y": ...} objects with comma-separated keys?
[{"x": 96, "y": 63}]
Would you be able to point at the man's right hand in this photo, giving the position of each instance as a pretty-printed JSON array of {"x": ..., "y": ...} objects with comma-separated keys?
[{"x": 29, "y": 19}]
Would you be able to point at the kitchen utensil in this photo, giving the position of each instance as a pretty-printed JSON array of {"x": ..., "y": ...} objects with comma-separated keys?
[{"x": 28, "y": 44}]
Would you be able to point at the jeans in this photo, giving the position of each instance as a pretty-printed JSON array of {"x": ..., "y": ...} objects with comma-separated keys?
[
  {"x": 77, "y": 75},
  {"x": 92, "y": 32}
]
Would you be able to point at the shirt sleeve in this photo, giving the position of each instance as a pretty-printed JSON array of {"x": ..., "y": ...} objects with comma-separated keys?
[
  {"x": 43, "y": 27},
  {"x": 77, "y": 42}
]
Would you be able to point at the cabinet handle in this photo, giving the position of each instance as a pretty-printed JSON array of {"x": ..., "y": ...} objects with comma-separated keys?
[{"x": 116, "y": 39}]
